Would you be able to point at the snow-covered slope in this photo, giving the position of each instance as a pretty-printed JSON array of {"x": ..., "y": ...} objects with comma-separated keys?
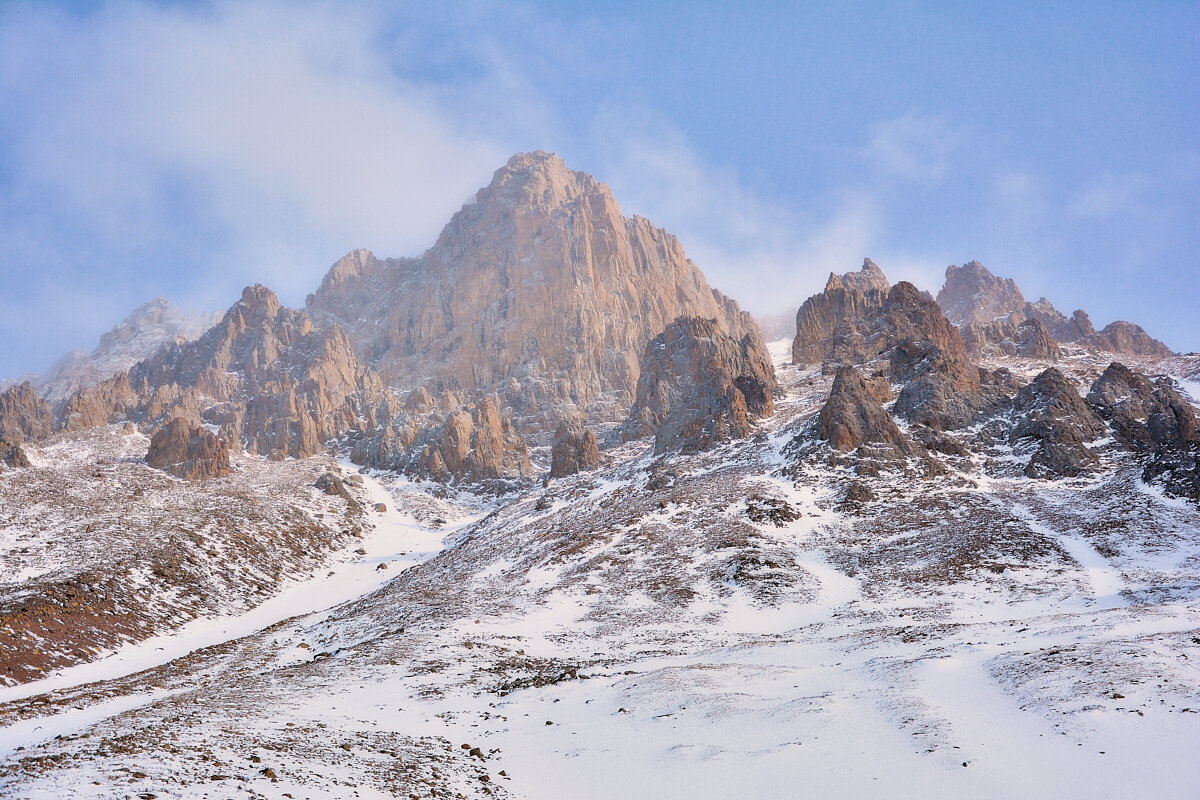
[{"x": 728, "y": 624}]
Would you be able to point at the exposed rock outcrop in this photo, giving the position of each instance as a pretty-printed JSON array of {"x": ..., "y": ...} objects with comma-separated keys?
[
  {"x": 853, "y": 416},
  {"x": 1154, "y": 420},
  {"x": 23, "y": 415},
  {"x": 188, "y": 451},
  {"x": 1053, "y": 414},
  {"x": 846, "y": 300},
  {"x": 699, "y": 386},
  {"x": 12, "y": 454},
  {"x": 539, "y": 289},
  {"x": 972, "y": 294},
  {"x": 1010, "y": 336},
  {"x": 575, "y": 449},
  {"x": 909, "y": 340},
  {"x": 444, "y": 439},
  {"x": 264, "y": 374},
  {"x": 996, "y": 320},
  {"x": 1125, "y": 337}
]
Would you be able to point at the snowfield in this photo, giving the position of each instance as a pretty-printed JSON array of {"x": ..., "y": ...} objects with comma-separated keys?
[{"x": 712, "y": 626}]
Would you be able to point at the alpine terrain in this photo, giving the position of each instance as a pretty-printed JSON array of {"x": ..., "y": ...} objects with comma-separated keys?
[{"x": 539, "y": 513}]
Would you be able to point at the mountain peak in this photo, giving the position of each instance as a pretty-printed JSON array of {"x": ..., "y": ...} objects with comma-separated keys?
[
  {"x": 539, "y": 179},
  {"x": 260, "y": 301}
]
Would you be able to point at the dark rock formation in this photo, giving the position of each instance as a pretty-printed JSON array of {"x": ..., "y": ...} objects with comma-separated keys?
[
  {"x": 1053, "y": 414},
  {"x": 188, "y": 451},
  {"x": 539, "y": 289},
  {"x": 12, "y": 454},
  {"x": 575, "y": 450},
  {"x": 23, "y": 415},
  {"x": 846, "y": 300},
  {"x": 1154, "y": 420},
  {"x": 853, "y": 416},
  {"x": 1125, "y": 337},
  {"x": 1074, "y": 328},
  {"x": 700, "y": 386},
  {"x": 1010, "y": 336},
  {"x": 909, "y": 340}
]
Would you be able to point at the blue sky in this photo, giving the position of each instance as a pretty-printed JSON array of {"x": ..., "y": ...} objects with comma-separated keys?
[{"x": 186, "y": 150}]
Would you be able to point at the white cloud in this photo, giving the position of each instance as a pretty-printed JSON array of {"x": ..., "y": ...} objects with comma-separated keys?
[
  {"x": 279, "y": 128},
  {"x": 764, "y": 254}
]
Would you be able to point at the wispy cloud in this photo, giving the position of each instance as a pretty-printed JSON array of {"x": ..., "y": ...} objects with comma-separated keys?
[{"x": 915, "y": 146}]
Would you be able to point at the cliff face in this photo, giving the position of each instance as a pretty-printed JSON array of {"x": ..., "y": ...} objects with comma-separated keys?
[
  {"x": 24, "y": 415},
  {"x": 699, "y": 386},
  {"x": 540, "y": 289}
]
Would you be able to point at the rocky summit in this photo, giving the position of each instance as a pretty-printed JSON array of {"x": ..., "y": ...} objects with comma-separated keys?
[
  {"x": 540, "y": 288},
  {"x": 539, "y": 513}
]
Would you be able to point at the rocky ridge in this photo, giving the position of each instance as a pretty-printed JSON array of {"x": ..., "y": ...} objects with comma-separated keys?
[
  {"x": 138, "y": 336},
  {"x": 995, "y": 319},
  {"x": 264, "y": 376}
]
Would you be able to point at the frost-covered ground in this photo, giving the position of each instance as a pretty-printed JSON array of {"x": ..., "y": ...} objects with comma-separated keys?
[{"x": 721, "y": 625}]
